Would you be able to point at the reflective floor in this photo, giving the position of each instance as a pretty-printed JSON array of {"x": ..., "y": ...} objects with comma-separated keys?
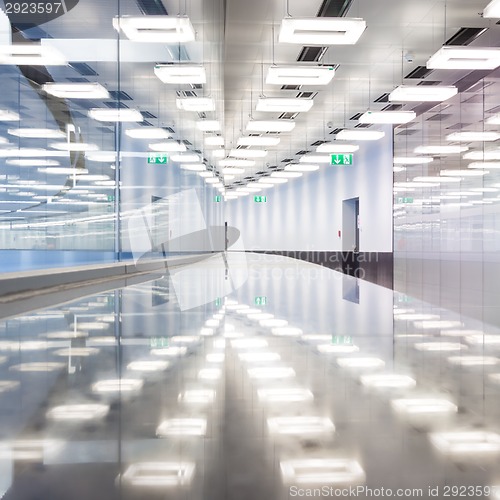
[{"x": 302, "y": 382}]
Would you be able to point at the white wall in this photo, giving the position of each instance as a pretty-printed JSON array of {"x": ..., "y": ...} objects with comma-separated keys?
[{"x": 306, "y": 213}]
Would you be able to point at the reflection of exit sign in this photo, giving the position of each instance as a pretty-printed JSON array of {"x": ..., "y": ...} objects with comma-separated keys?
[
  {"x": 158, "y": 342},
  {"x": 111, "y": 197},
  {"x": 217, "y": 198},
  {"x": 260, "y": 301},
  {"x": 218, "y": 301},
  {"x": 405, "y": 200},
  {"x": 342, "y": 339},
  {"x": 161, "y": 158},
  {"x": 341, "y": 159},
  {"x": 260, "y": 199}
]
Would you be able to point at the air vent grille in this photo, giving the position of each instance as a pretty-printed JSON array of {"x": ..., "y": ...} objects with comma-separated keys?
[
  {"x": 419, "y": 72},
  {"x": 464, "y": 36},
  {"x": 382, "y": 98}
]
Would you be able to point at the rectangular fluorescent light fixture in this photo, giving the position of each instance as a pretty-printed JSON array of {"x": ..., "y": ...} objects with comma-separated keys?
[
  {"x": 329, "y": 147},
  {"x": 185, "y": 158},
  {"x": 175, "y": 74},
  {"x": 440, "y": 150},
  {"x": 214, "y": 141},
  {"x": 270, "y": 126},
  {"x": 463, "y": 173},
  {"x": 393, "y": 117},
  {"x": 232, "y": 171},
  {"x": 208, "y": 125},
  {"x": 322, "y": 471},
  {"x": 284, "y": 105},
  {"x": 422, "y": 93},
  {"x": 423, "y": 406},
  {"x": 215, "y": 357},
  {"x": 466, "y": 443},
  {"x": 287, "y": 175},
  {"x": 159, "y": 474},
  {"x": 258, "y": 141},
  {"x": 470, "y": 360},
  {"x": 168, "y": 146},
  {"x": 148, "y": 366},
  {"x": 321, "y": 31},
  {"x": 315, "y": 159},
  {"x": 473, "y": 136},
  {"x": 259, "y": 357},
  {"x": 412, "y": 160},
  {"x": 78, "y": 412},
  {"x": 194, "y": 167},
  {"x": 171, "y": 351},
  {"x": 147, "y": 133},
  {"x": 452, "y": 57},
  {"x": 483, "y": 339},
  {"x": 74, "y": 146},
  {"x": 248, "y": 343},
  {"x": 439, "y": 346},
  {"x": 209, "y": 374},
  {"x": 230, "y": 162},
  {"x": 482, "y": 155},
  {"x": 388, "y": 381},
  {"x": 116, "y": 115},
  {"x": 76, "y": 90},
  {"x": 37, "y": 133},
  {"x": 248, "y": 153},
  {"x": 9, "y": 116},
  {"x": 300, "y": 75},
  {"x": 117, "y": 385},
  {"x": 492, "y": 10},
  {"x": 197, "y": 104},
  {"x": 359, "y": 135},
  {"x": 276, "y": 372},
  {"x": 30, "y": 54},
  {"x": 301, "y": 168},
  {"x": 156, "y": 29},
  {"x": 361, "y": 363},
  {"x": 337, "y": 349},
  {"x": 299, "y": 426},
  {"x": 37, "y": 366},
  {"x": 197, "y": 396},
  {"x": 284, "y": 395},
  {"x": 182, "y": 427}
]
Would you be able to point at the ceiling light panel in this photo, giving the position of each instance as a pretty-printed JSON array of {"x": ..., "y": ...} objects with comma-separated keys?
[
  {"x": 440, "y": 150},
  {"x": 359, "y": 135},
  {"x": 284, "y": 104},
  {"x": 300, "y": 75},
  {"x": 422, "y": 93},
  {"x": 393, "y": 117},
  {"x": 329, "y": 147},
  {"x": 147, "y": 133},
  {"x": 321, "y": 30},
  {"x": 208, "y": 125},
  {"x": 8, "y": 116},
  {"x": 116, "y": 115},
  {"x": 37, "y": 133},
  {"x": 160, "y": 29},
  {"x": 270, "y": 126},
  {"x": 168, "y": 146},
  {"x": 248, "y": 153},
  {"x": 473, "y": 136},
  {"x": 176, "y": 74},
  {"x": 258, "y": 141},
  {"x": 76, "y": 90},
  {"x": 30, "y": 54},
  {"x": 197, "y": 104},
  {"x": 453, "y": 57}
]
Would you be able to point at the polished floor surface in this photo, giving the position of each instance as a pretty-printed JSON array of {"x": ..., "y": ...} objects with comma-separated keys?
[{"x": 248, "y": 377}]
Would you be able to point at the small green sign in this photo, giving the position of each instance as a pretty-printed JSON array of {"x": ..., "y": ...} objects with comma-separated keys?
[
  {"x": 405, "y": 200},
  {"x": 260, "y": 199},
  {"x": 158, "y": 342},
  {"x": 261, "y": 301},
  {"x": 341, "y": 159},
  {"x": 218, "y": 301},
  {"x": 342, "y": 339},
  {"x": 111, "y": 197},
  {"x": 161, "y": 158},
  {"x": 217, "y": 198}
]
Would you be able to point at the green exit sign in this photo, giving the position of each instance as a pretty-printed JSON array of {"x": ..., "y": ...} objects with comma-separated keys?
[
  {"x": 161, "y": 158},
  {"x": 158, "y": 342},
  {"x": 260, "y": 199},
  {"x": 217, "y": 198},
  {"x": 218, "y": 301},
  {"x": 341, "y": 159},
  {"x": 342, "y": 339},
  {"x": 405, "y": 200},
  {"x": 111, "y": 197},
  {"x": 260, "y": 301}
]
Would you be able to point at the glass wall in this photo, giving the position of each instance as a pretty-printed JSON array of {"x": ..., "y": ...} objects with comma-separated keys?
[{"x": 98, "y": 157}]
